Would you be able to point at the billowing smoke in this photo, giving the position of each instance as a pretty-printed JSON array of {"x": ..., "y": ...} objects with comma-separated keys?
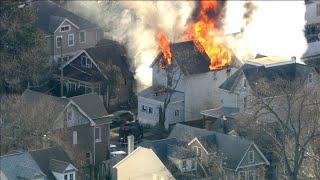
[
  {"x": 135, "y": 24},
  {"x": 268, "y": 27}
]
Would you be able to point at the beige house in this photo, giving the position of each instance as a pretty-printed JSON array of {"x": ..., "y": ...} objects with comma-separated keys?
[{"x": 142, "y": 164}]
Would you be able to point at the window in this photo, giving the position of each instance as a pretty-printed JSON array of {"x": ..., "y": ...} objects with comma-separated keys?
[
  {"x": 65, "y": 28},
  {"x": 70, "y": 39},
  {"x": 184, "y": 165},
  {"x": 197, "y": 150},
  {"x": 58, "y": 41},
  {"x": 66, "y": 177},
  {"x": 88, "y": 158},
  {"x": 150, "y": 110},
  {"x": 72, "y": 86},
  {"x": 176, "y": 113},
  {"x": 310, "y": 78},
  {"x": 144, "y": 108},
  {"x": 251, "y": 175},
  {"x": 66, "y": 58},
  {"x": 318, "y": 9},
  {"x": 69, "y": 115},
  {"x": 245, "y": 102},
  {"x": 242, "y": 175},
  {"x": 71, "y": 176},
  {"x": 251, "y": 156},
  {"x": 82, "y": 37},
  {"x": 193, "y": 165},
  {"x": 86, "y": 62},
  {"x": 244, "y": 83},
  {"x": 97, "y": 134},
  {"x": 74, "y": 137}
]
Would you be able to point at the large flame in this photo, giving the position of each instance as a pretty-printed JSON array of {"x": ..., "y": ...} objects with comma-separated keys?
[
  {"x": 205, "y": 31},
  {"x": 165, "y": 47}
]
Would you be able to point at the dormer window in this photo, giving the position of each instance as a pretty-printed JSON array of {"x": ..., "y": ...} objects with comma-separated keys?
[
  {"x": 65, "y": 28},
  {"x": 197, "y": 150},
  {"x": 86, "y": 62}
]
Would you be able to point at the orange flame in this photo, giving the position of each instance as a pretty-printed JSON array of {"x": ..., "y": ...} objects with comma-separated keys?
[
  {"x": 207, "y": 35},
  {"x": 165, "y": 47}
]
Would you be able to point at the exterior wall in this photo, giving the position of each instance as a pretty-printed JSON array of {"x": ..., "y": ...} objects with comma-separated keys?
[
  {"x": 142, "y": 164},
  {"x": 153, "y": 118},
  {"x": 201, "y": 92},
  {"x": 102, "y": 147},
  {"x": 3, "y": 176},
  {"x": 311, "y": 15},
  {"x": 60, "y": 176},
  {"x": 93, "y": 35}
]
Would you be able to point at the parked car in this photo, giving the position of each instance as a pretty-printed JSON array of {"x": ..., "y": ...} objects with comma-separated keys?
[
  {"x": 121, "y": 117},
  {"x": 130, "y": 128}
]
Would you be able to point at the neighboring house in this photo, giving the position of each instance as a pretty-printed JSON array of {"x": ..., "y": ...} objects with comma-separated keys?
[
  {"x": 103, "y": 69},
  {"x": 190, "y": 78},
  {"x": 18, "y": 166},
  {"x": 65, "y": 32},
  {"x": 141, "y": 164},
  {"x": 237, "y": 157},
  {"x": 55, "y": 163},
  {"x": 81, "y": 126},
  {"x": 237, "y": 90}
]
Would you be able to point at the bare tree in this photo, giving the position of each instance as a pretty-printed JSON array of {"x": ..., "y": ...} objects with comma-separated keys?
[{"x": 288, "y": 111}]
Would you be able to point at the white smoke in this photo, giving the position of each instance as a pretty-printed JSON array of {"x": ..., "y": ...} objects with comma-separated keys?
[
  {"x": 135, "y": 24},
  {"x": 276, "y": 28}
]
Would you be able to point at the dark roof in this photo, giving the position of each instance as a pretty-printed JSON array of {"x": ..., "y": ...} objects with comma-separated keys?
[
  {"x": 58, "y": 166},
  {"x": 150, "y": 93},
  {"x": 231, "y": 148},
  {"x": 188, "y": 57},
  {"x": 20, "y": 165},
  {"x": 51, "y": 15},
  {"x": 43, "y": 158},
  {"x": 254, "y": 74},
  {"x": 91, "y": 104}
]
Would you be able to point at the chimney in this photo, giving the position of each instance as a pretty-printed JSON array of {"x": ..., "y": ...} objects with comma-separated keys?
[{"x": 130, "y": 144}]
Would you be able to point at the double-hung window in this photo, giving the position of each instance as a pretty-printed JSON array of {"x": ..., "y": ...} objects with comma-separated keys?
[
  {"x": 70, "y": 39},
  {"x": 97, "y": 135},
  {"x": 86, "y": 62},
  {"x": 82, "y": 36}
]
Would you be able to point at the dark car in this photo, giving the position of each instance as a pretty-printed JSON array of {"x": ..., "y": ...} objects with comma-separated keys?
[
  {"x": 130, "y": 128},
  {"x": 121, "y": 117}
]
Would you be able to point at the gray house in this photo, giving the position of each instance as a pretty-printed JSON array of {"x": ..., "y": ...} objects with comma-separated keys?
[
  {"x": 231, "y": 157},
  {"x": 66, "y": 33},
  {"x": 190, "y": 80}
]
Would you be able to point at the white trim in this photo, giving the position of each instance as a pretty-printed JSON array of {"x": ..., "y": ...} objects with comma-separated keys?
[
  {"x": 69, "y": 35},
  {"x": 261, "y": 154},
  {"x": 85, "y": 114},
  {"x": 129, "y": 155},
  {"x": 68, "y": 25},
  {"x": 77, "y": 55},
  {"x": 68, "y": 22},
  {"x": 56, "y": 44},
  {"x": 85, "y": 36},
  {"x": 196, "y": 139},
  {"x": 243, "y": 157}
]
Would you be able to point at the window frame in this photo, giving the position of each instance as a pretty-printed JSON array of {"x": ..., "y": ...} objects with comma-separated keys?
[
  {"x": 95, "y": 131},
  {"x": 184, "y": 165},
  {"x": 57, "y": 41},
  {"x": 197, "y": 150},
  {"x": 71, "y": 175},
  {"x": 177, "y": 113},
  {"x": 144, "y": 108},
  {"x": 74, "y": 137},
  {"x": 85, "y": 36},
  {"x": 249, "y": 157},
  {"x": 85, "y": 62},
  {"x": 150, "y": 110},
  {"x": 64, "y": 177},
  {"x": 67, "y": 25},
  {"x": 318, "y": 9},
  {"x": 73, "y": 43}
]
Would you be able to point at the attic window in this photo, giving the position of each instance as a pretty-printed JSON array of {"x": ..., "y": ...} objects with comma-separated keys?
[
  {"x": 65, "y": 28},
  {"x": 251, "y": 156},
  {"x": 86, "y": 62}
]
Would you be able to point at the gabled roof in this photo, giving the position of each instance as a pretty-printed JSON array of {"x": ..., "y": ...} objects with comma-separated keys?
[
  {"x": 20, "y": 165},
  {"x": 231, "y": 148},
  {"x": 188, "y": 57},
  {"x": 51, "y": 15},
  {"x": 51, "y": 159}
]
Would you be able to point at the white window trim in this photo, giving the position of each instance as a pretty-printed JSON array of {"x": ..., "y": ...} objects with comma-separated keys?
[
  {"x": 85, "y": 37},
  {"x": 249, "y": 160},
  {"x": 97, "y": 140},
  {"x": 198, "y": 150},
  {"x": 74, "y": 137},
  {"x": 57, "y": 41},
  {"x": 65, "y": 26},
  {"x": 69, "y": 35}
]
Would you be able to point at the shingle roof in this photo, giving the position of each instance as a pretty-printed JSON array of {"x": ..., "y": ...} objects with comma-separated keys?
[
  {"x": 150, "y": 93},
  {"x": 20, "y": 165},
  {"x": 230, "y": 147},
  {"x": 43, "y": 158},
  {"x": 58, "y": 166},
  {"x": 91, "y": 104},
  {"x": 188, "y": 57},
  {"x": 50, "y": 16}
]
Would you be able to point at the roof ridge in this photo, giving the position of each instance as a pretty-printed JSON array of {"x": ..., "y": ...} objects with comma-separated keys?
[
  {"x": 84, "y": 95},
  {"x": 41, "y": 149},
  {"x": 13, "y": 154},
  {"x": 59, "y": 160}
]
